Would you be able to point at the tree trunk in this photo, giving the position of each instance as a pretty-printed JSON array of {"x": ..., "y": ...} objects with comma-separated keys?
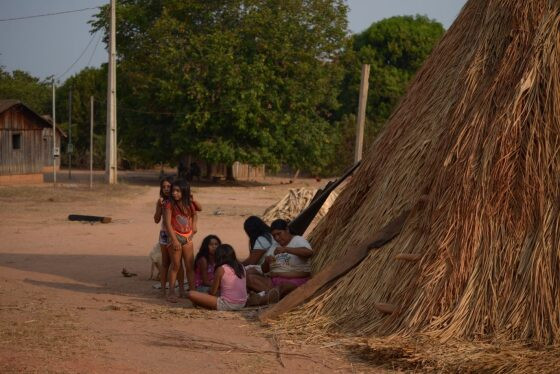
[
  {"x": 208, "y": 170},
  {"x": 229, "y": 173}
]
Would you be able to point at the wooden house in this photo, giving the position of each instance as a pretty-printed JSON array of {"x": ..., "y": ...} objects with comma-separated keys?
[{"x": 26, "y": 144}]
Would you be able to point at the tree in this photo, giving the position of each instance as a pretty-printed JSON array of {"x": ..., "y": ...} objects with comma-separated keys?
[
  {"x": 30, "y": 90},
  {"x": 88, "y": 82},
  {"x": 244, "y": 80},
  {"x": 395, "y": 48}
]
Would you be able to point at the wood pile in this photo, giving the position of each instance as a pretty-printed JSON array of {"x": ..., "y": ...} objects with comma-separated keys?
[{"x": 296, "y": 200}]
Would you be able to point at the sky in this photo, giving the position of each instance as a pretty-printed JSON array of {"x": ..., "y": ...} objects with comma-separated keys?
[{"x": 62, "y": 45}]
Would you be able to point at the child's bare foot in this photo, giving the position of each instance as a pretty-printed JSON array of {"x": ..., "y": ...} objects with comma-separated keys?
[
  {"x": 273, "y": 295},
  {"x": 172, "y": 298},
  {"x": 254, "y": 299}
]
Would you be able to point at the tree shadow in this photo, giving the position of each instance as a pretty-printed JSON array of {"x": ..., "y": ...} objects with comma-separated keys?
[{"x": 94, "y": 274}]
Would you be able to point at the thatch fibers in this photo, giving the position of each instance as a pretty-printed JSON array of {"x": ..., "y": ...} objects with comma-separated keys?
[
  {"x": 295, "y": 201},
  {"x": 478, "y": 132}
]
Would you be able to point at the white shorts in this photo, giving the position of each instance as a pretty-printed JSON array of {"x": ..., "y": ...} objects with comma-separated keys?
[{"x": 223, "y": 304}]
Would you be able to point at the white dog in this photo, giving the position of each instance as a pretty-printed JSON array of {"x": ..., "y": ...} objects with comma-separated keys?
[{"x": 155, "y": 258}]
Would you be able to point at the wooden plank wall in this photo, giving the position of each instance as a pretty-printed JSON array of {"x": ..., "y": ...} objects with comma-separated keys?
[
  {"x": 248, "y": 172},
  {"x": 30, "y": 157},
  {"x": 48, "y": 146}
]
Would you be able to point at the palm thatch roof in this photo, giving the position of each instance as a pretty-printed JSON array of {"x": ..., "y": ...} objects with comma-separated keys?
[{"x": 478, "y": 132}]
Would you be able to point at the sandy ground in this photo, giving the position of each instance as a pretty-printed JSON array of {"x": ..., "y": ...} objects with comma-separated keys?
[{"x": 65, "y": 307}]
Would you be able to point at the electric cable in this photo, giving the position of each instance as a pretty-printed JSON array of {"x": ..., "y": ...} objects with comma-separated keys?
[
  {"x": 47, "y": 14},
  {"x": 94, "y": 49},
  {"x": 79, "y": 57}
]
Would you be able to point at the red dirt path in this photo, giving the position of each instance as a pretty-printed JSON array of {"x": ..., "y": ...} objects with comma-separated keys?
[{"x": 64, "y": 306}]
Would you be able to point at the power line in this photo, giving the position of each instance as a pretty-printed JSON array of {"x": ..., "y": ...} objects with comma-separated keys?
[
  {"x": 47, "y": 14},
  {"x": 78, "y": 59},
  {"x": 94, "y": 49}
]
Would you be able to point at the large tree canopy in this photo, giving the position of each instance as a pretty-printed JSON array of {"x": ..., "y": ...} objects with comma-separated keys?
[
  {"x": 247, "y": 80},
  {"x": 395, "y": 48}
]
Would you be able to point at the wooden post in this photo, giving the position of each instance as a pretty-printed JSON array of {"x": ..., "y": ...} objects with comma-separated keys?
[
  {"x": 70, "y": 147},
  {"x": 361, "y": 113},
  {"x": 91, "y": 143},
  {"x": 111, "y": 147},
  {"x": 54, "y": 150}
]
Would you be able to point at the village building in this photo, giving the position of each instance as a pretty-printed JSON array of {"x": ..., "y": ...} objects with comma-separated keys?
[{"x": 26, "y": 143}]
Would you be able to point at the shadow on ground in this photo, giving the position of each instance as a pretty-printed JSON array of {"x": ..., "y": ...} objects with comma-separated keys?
[{"x": 86, "y": 273}]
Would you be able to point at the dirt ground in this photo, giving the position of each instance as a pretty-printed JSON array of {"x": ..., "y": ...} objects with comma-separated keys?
[{"x": 65, "y": 307}]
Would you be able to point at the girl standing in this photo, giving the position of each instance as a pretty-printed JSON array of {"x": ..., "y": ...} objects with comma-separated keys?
[
  {"x": 180, "y": 222},
  {"x": 229, "y": 283},
  {"x": 164, "y": 193},
  {"x": 205, "y": 262}
]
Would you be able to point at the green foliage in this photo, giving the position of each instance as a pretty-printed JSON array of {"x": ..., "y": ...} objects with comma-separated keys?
[
  {"x": 30, "y": 90},
  {"x": 395, "y": 48},
  {"x": 245, "y": 80},
  {"x": 257, "y": 81},
  {"x": 88, "y": 82}
]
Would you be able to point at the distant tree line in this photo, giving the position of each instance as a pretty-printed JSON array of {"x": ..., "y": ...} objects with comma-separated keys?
[{"x": 273, "y": 82}]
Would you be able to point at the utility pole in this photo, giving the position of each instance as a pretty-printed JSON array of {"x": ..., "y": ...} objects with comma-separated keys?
[
  {"x": 70, "y": 145},
  {"x": 55, "y": 150},
  {"x": 111, "y": 140},
  {"x": 91, "y": 143},
  {"x": 361, "y": 114}
]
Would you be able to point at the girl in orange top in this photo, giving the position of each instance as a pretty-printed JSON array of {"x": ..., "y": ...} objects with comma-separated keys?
[{"x": 180, "y": 223}]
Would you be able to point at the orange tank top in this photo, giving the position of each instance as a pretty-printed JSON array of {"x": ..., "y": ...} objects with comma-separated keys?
[{"x": 181, "y": 222}]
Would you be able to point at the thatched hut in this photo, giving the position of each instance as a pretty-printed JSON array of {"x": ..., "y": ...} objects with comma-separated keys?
[{"x": 478, "y": 132}]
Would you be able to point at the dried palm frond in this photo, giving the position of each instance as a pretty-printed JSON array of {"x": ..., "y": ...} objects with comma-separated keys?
[
  {"x": 294, "y": 202},
  {"x": 478, "y": 132}
]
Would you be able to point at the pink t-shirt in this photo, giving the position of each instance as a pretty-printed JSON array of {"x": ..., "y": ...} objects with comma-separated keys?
[{"x": 232, "y": 288}]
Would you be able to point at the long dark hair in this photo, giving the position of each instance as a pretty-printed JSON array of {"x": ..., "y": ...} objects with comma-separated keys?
[
  {"x": 255, "y": 227},
  {"x": 204, "y": 251},
  {"x": 166, "y": 179},
  {"x": 225, "y": 255},
  {"x": 185, "y": 195}
]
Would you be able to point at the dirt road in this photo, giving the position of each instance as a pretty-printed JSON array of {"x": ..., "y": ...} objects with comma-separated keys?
[{"x": 65, "y": 307}]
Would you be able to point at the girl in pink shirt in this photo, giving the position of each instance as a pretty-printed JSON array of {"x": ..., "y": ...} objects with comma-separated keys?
[
  {"x": 229, "y": 289},
  {"x": 205, "y": 263}
]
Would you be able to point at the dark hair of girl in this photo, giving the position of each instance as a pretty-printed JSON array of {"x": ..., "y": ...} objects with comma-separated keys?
[
  {"x": 185, "y": 195},
  {"x": 279, "y": 224},
  {"x": 204, "y": 251},
  {"x": 225, "y": 255},
  {"x": 255, "y": 227},
  {"x": 166, "y": 179}
]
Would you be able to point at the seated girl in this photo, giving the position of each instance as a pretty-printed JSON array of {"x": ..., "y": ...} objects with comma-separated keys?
[
  {"x": 229, "y": 283},
  {"x": 260, "y": 241},
  {"x": 204, "y": 263},
  {"x": 283, "y": 272}
]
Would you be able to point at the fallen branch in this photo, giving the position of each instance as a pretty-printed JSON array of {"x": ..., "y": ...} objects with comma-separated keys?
[{"x": 79, "y": 217}]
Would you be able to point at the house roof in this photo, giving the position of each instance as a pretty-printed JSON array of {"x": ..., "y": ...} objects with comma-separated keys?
[{"x": 45, "y": 121}]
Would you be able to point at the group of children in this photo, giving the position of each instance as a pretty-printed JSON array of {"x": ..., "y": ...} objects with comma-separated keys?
[
  {"x": 218, "y": 278},
  {"x": 277, "y": 264}
]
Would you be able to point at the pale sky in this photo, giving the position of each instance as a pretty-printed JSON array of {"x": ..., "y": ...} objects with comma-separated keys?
[{"x": 46, "y": 46}]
